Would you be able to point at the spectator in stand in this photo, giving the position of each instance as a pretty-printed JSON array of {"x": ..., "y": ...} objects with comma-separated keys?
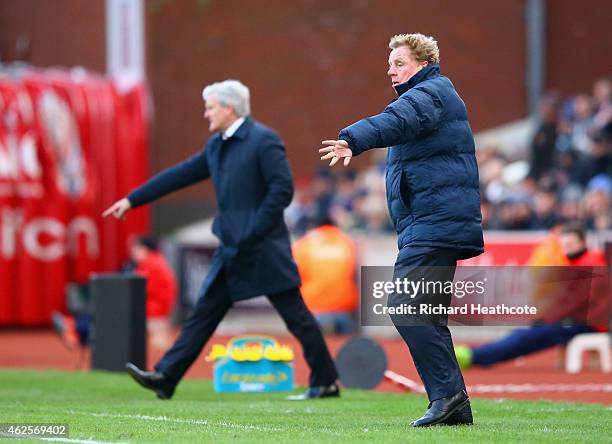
[
  {"x": 346, "y": 190},
  {"x": 600, "y": 160},
  {"x": 371, "y": 207},
  {"x": 564, "y": 136},
  {"x": 343, "y": 203},
  {"x": 558, "y": 329},
  {"x": 570, "y": 207},
  {"x": 545, "y": 208},
  {"x": 327, "y": 261},
  {"x": 322, "y": 187},
  {"x": 515, "y": 213},
  {"x": 486, "y": 209},
  {"x": 582, "y": 124},
  {"x": 161, "y": 287},
  {"x": 302, "y": 210},
  {"x": 602, "y": 95},
  {"x": 597, "y": 208},
  {"x": 570, "y": 169},
  {"x": 373, "y": 211},
  {"x": 543, "y": 142},
  {"x": 491, "y": 177}
]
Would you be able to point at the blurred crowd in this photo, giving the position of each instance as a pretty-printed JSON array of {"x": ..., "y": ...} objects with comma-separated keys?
[
  {"x": 354, "y": 201},
  {"x": 566, "y": 176}
]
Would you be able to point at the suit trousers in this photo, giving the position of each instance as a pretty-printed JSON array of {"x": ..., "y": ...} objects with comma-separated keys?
[
  {"x": 429, "y": 340},
  {"x": 210, "y": 310}
]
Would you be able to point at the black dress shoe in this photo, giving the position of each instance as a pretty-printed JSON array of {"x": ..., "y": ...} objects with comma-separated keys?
[
  {"x": 461, "y": 417},
  {"x": 326, "y": 391},
  {"x": 151, "y": 380},
  {"x": 442, "y": 409}
]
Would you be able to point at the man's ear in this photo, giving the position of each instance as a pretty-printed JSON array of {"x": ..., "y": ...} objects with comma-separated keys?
[{"x": 233, "y": 110}]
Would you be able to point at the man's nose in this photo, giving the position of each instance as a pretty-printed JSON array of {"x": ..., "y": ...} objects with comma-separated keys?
[{"x": 391, "y": 71}]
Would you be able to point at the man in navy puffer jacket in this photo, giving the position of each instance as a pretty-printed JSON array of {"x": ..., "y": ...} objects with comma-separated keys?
[{"x": 433, "y": 199}]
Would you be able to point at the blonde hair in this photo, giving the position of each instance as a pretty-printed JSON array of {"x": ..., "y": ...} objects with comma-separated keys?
[{"x": 423, "y": 48}]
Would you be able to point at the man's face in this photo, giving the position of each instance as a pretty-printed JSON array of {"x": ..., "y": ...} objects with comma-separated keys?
[
  {"x": 138, "y": 253},
  {"x": 402, "y": 66},
  {"x": 571, "y": 243},
  {"x": 219, "y": 116}
]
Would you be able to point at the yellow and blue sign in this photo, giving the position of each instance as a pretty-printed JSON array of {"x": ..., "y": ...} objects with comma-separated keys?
[{"x": 252, "y": 364}]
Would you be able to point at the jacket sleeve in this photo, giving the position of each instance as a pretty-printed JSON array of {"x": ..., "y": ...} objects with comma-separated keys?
[
  {"x": 279, "y": 183},
  {"x": 188, "y": 172},
  {"x": 412, "y": 114}
]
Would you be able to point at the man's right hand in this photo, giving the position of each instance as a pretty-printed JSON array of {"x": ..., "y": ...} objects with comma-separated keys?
[
  {"x": 118, "y": 209},
  {"x": 335, "y": 150}
]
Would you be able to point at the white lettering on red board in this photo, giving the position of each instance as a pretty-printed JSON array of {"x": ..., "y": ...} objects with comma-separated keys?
[{"x": 61, "y": 239}]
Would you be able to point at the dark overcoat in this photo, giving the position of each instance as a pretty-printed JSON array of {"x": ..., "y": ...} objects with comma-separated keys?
[
  {"x": 432, "y": 176},
  {"x": 253, "y": 186}
]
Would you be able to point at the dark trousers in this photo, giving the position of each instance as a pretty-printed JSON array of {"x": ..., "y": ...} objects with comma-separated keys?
[
  {"x": 524, "y": 341},
  {"x": 431, "y": 346},
  {"x": 209, "y": 312}
]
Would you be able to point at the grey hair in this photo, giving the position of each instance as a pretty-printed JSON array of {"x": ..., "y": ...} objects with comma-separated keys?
[{"x": 230, "y": 93}]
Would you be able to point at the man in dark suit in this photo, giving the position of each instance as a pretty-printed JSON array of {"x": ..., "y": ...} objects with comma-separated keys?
[
  {"x": 253, "y": 185},
  {"x": 434, "y": 203}
]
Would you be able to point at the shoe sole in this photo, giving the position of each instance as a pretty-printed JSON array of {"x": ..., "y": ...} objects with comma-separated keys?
[
  {"x": 460, "y": 418},
  {"x": 458, "y": 422},
  {"x": 161, "y": 395}
]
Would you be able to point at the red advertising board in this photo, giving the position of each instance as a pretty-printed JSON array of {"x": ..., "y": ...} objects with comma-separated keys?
[
  {"x": 70, "y": 145},
  {"x": 507, "y": 248}
]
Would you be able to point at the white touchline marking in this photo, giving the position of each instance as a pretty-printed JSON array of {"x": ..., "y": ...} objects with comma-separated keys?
[
  {"x": 533, "y": 388},
  {"x": 182, "y": 421},
  {"x": 57, "y": 439},
  {"x": 81, "y": 441}
]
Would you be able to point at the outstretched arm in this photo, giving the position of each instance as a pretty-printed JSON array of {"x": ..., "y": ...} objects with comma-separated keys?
[
  {"x": 404, "y": 119},
  {"x": 186, "y": 173}
]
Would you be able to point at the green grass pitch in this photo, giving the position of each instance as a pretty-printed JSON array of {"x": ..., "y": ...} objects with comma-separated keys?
[{"x": 105, "y": 407}]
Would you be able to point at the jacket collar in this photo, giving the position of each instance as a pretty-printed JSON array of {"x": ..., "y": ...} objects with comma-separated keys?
[
  {"x": 243, "y": 130},
  {"x": 233, "y": 128},
  {"x": 429, "y": 72}
]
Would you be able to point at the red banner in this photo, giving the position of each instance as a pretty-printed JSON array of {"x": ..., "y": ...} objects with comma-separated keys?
[
  {"x": 70, "y": 145},
  {"x": 507, "y": 248}
]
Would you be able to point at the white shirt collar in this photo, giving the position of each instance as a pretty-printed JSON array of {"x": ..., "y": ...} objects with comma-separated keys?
[{"x": 229, "y": 132}]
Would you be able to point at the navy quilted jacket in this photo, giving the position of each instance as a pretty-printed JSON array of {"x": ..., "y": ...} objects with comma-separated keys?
[{"x": 432, "y": 175}]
